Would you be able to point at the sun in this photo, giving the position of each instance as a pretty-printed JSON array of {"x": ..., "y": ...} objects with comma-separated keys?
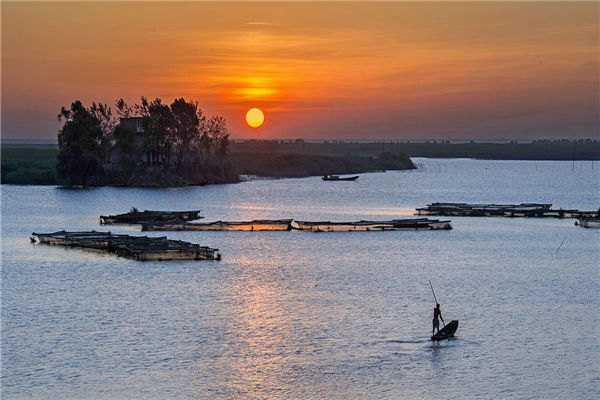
[{"x": 255, "y": 117}]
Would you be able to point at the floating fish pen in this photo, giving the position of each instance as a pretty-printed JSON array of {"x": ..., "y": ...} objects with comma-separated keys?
[
  {"x": 533, "y": 210},
  {"x": 146, "y": 216},
  {"x": 393, "y": 225},
  {"x": 588, "y": 222},
  {"x": 141, "y": 248},
  {"x": 256, "y": 225}
]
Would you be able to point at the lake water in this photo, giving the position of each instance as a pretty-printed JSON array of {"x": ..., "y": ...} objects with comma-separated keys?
[{"x": 311, "y": 315}]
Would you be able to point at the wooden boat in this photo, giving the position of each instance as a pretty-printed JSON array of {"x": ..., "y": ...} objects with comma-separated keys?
[
  {"x": 447, "y": 332},
  {"x": 338, "y": 178},
  {"x": 588, "y": 222},
  {"x": 255, "y": 225},
  {"x": 141, "y": 248},
  {"x": 393, "y": 225},
  {"x": 146, "y": 216}
]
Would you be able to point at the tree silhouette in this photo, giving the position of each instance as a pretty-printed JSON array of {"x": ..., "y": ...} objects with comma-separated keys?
[
  {"x": 219, "y": 135},
  {"x": 187, "y": 119},
  {"x": 80, "y": 141},
  {"x": 158, "y": 130}
]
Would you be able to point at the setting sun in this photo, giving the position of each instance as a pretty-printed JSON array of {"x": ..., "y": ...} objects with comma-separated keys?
[{"x": 255, "y": 117}]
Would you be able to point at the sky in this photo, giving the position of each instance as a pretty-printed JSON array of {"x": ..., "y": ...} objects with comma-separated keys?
[{"x": 333, "y": 70}]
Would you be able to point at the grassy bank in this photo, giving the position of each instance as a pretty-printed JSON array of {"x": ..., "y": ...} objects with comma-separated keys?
[
  {"x": 36, "y": 165},
  {"x": 29, "y": 164}
]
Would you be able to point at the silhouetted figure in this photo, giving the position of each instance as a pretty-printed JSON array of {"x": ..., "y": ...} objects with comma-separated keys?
[{"x": 436, "y": 323}]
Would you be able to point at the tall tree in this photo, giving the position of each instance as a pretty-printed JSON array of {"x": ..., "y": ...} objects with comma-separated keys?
[
  {"x": 80, "y": 142},
  {"x": 187, "y": 119},
  {"x": 104, "y": 115},
  {"x": 107, "y": 124},
  {"x": 123, "y": 110},
  {"x": 158, "y": 129},
  {"x": 219, "y": 135}
]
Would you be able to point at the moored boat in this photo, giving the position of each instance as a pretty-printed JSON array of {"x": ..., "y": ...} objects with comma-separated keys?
[
  {"x": 588, "y": 222},
  {"x": 339, "y": 178}
]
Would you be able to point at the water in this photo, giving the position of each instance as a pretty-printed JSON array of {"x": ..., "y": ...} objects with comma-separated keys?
[{"x": 307, "y": 315}]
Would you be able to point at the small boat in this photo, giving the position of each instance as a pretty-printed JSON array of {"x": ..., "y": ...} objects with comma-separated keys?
[
  {"x": 338, "y": 178},
  {"x": 447, "y": 332},
  {"x": 588, "y": 222}
]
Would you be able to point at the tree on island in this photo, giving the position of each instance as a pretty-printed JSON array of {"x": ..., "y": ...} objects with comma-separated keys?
[
  {"x": 158, "y": 130},
  {"x": 218, "y": 135},
  {"x": 188, "y": 124},
  {"x": 81, "y": 144},
  {"x": 171, "y": 133}
]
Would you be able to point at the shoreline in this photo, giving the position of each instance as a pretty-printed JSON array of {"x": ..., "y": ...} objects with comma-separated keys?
[{"x": 35, "y": 164}]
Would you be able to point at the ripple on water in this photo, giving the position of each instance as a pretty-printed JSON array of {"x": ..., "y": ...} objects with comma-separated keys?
[{"x": 302, "y": 315}]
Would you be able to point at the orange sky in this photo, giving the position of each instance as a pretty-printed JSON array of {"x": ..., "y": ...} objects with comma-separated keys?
[{"x": 317, "y": 70}]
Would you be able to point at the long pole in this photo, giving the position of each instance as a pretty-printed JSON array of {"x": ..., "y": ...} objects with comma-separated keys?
[
  {"x": 561, "y": 243},
  {"x": 436, "y": 302},
  {"x": 432, "y": 291}
]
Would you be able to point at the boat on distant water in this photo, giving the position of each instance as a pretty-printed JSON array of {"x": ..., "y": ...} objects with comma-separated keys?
[
  {"x": 588, "y": 222},
  {"x": 339, "y": 178}
]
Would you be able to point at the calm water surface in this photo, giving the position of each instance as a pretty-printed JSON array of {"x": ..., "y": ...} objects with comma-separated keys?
[{"x": 306, "y": 315}]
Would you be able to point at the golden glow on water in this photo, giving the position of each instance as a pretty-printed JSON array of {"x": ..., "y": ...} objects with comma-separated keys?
[{"x": 262, "y": 319}]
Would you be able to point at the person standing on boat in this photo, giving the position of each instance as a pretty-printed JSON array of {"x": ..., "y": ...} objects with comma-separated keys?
[{"x": 436, "y": 322}]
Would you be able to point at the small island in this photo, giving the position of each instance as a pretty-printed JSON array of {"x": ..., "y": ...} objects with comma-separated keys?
[{"x": 152, "y": 144}]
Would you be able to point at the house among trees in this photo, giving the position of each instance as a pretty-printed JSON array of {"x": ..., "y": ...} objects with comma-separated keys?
[
  {"x": 132, "y": 144},
  {"x": 133, "y": 123},
  {"x": 176, "y": 139}
]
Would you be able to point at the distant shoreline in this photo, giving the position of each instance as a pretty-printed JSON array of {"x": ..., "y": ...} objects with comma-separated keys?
[
  {"x": 35, "y": 163},
  {"x": 24, "y": 164}
]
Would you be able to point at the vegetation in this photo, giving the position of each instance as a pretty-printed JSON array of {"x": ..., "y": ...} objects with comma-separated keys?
[
  {"x": 582, "y": 149},
  {"x": 81, "y": 143},
  {"x": 29, "y": 164},
  {"x": 36, "y": 164},
  {"x": 176, "y": 139}
]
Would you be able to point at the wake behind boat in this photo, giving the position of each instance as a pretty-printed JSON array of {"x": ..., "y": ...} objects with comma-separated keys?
[{"x": 339, "y": 178}]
